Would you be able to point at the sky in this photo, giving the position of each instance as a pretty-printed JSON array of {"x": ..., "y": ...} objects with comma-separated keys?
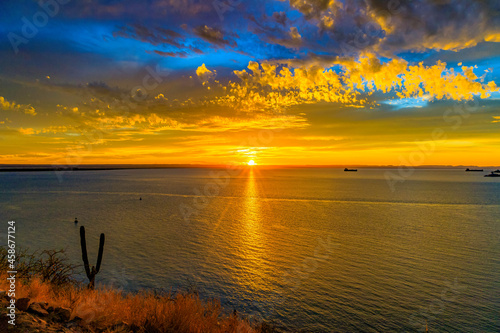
[{"x": 280, "y": 82}]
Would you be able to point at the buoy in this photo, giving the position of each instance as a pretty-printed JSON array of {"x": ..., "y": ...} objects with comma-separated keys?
[
  {"x": 140, "y": 198},
  {"x": 76, "y": 220}
]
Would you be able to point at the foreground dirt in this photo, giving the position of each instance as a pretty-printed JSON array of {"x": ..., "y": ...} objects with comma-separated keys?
[{"x": 37, "y": 317}]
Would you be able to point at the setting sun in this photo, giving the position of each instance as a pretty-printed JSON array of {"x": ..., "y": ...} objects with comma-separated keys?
[{"x": 251, "y": 162}]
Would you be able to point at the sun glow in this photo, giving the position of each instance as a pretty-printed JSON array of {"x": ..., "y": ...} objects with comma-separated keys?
[{"x": 251, "y": 162}]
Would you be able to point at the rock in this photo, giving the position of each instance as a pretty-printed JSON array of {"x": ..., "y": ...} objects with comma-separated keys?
[
  {"x": 75, "y": 322},
  {"x": 134, "y": 328},
  {"x": 38, "y": 308},
  {"x": 23, "y": 320},
  {"x": 4, "y": 326},
  {"x": 62, "y": 314},
  {"x": 4, "y": 304},
  {"x": 22, "y": 304},
  {"x": 120, "y": 327}
]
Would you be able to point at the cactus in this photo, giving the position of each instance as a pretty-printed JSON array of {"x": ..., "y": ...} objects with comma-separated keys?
[{"x": 91, "y": 273}]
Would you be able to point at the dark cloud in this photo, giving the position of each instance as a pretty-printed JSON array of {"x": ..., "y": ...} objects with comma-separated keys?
[
  {"x": 159, "y": 36},
  {"x": 153, "y": 36},
  {"x": 213, "y": 36},
  {"x": 265, "y": 26},
  {"x": 392, "y": 26},
  {"x": 292, "y": 39},
  {"x": 433, "y": 24},
  {"x": 276, "y": 29},
  {"x": 138, "y": 9},
  {"x": 181, "y": 54},
  {"x": 280, "y": 17}
]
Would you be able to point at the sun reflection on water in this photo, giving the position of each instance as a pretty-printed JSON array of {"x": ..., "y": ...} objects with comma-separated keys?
[{"x": 252, "y": 237}]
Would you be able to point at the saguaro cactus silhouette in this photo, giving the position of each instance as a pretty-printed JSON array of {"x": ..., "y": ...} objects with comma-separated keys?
[{"x": 91, "y": 273}]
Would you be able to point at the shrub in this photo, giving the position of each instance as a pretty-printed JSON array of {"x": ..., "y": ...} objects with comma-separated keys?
[{"x": 49, "y": 265}]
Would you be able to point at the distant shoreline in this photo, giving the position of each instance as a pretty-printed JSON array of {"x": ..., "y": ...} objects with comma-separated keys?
[{"x": 106, "y": 167}]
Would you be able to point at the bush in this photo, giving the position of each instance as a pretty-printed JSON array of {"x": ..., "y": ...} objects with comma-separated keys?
[{"x": 49, "y": 265}]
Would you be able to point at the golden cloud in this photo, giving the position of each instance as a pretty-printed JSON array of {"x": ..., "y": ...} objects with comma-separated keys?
[
  {"x": 27, "y": 131},
  {"x": 204, "y": 74},
  {"x": 27, "y": 109},
  {"x": 268, "y": 86}
]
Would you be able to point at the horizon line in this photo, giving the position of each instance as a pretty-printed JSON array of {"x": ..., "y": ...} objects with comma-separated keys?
[{"x": 107, "y": 166}]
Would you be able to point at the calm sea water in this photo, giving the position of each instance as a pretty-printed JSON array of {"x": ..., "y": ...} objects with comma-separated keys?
[{"x": 310, "y": 249}]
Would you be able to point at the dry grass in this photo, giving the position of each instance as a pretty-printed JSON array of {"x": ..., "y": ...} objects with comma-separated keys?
[
  {"x": 145, "y": 312},
  {"x": 47, "y": 277}
]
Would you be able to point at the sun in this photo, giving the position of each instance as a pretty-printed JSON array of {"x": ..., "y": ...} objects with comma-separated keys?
[{"x": 251, "y": 162}]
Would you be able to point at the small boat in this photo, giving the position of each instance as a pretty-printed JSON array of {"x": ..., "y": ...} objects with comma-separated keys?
[
  {"x": 493, "y": 174},
  {"x": 350, "y": 169},
  {"x": 496, "y": 171},
  {"x": 479, "y": 170}
]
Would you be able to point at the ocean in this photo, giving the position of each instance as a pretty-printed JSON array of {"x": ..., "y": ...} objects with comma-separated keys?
[{"x": 307, "y": 249}]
